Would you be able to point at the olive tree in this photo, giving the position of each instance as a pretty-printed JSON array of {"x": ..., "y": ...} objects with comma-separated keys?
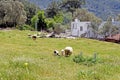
[{"x": 12, "y": 13}]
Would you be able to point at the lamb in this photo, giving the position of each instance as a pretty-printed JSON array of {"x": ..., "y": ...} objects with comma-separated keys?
[
  {"x": 67, "y": 51},
  {"x": 56, "y": 53},
  {"x": 34, "y": 37}
]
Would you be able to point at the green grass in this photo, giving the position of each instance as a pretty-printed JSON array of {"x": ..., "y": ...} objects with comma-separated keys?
[{"x": 16, "y": 49}]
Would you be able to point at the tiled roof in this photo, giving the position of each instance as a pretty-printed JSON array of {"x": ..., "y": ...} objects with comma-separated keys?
[{"x": 115, "y": 37}]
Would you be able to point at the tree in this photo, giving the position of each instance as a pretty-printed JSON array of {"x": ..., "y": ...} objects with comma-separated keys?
[
  {"x": 11, "y": 13},
  {"x": 108, "y": 29},
  {"x": 95, "y": 29},
  {"x": 58, "y": 18},
  {"x": 50, "y": 22},
  {"x": 39, "y": 20},
  {"x": 30, "y": 10},
  {"x": 84, "y": 15},
  {"x": 53, "y": 9},
  {"x": 71, "y": 5},
  {"x": 118, "y": 17}
]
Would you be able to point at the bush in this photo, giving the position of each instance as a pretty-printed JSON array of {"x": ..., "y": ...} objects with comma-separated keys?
[
  {"x": 79, "y": 58},
  {"x": 34, "y": 20},
  {"x": 58, "y": 28},
  {"x": 59, "y": 18},
  {"x": 89, "y": 61},
  {"x": 25, "y": 27},
  {"x": 50, "y": 22}
]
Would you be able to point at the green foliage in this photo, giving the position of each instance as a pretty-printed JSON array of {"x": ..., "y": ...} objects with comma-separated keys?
[
  {"x": 89, "y": 61},
  {"x": 12, "y": 13},
  {"x": 71, "y": 5},
  {"x": 25, "y": 27},
  {"x": 67, "y": 18},
  {"x": 108, "y": 29},
  {"x": 17, "y": 50},
  {"x": 39, "y": 21},
  {"x": 58, "y": 28},
  {"x": 41, "y": 14},
  {"x": 50, "y": 22},
  {"x": 58, "y": 18},
  {"x": 79, "y": 58},
  {"x": 85, "y": 15},
  {"x": 34, "y": 20},
  {"x": 45, "y": 23},
  {"x": 101, "y": 8},
  {"x": 30, "y": 10},
  {"x": 118, "y": 17},
  {"x": 52, "y": 9}
]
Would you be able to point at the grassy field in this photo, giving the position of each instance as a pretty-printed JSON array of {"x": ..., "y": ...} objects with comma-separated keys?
[{"x": 22, "y": 58}]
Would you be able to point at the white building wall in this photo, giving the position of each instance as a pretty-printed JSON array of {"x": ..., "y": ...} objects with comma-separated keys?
[
  {"x": 76, "y": 28},
  {"x": 84, "y": 28}
]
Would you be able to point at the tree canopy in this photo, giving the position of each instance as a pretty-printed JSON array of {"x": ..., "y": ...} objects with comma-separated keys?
[
  {"x": 85, "y": 15},
  {"x": 53, "y": 9},
  {"x": 30, "y": 10},
  {"x": 71, "y": 5},
  {"x": 12, "y": 13}
]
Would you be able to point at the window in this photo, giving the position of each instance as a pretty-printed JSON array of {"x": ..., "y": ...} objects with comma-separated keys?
[
  {"x": 81, "y": 28},
  {"x": 88, "y": 26},
  {"x": 74, "y": 26}
]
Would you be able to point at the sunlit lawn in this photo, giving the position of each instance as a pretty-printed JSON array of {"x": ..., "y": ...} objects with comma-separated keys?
[{"x": 22, "y": 58}]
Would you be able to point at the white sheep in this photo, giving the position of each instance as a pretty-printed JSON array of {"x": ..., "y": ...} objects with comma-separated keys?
[{"x": 67, "y": 51}]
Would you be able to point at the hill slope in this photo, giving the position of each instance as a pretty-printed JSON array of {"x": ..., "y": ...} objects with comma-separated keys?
[
  {"x": 22, "y": 58},
  {"x": 101, "y": 8}
]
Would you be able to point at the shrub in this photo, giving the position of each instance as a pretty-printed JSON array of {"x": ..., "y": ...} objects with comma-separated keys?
[
  {"x": 59, "y": 18},
  {"x": 58, "y": 28},
  {"x": 79, "y": 58},
  {"x": 89, "y": 61},
  {"x": 50, "y": 22},
  {"x": 34, "y": 20},
  {"x": 25, "y": 27}
]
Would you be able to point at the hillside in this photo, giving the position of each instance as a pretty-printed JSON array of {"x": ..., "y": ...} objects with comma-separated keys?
[
  {"x": 22, "y": 58},
  {"x": 101, "y": 8},
  {"x": 41, "y": 3}
]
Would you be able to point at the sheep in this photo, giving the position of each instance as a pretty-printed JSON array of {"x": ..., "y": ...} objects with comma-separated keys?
[
  {"x": 56, "y": 53},
  {"x": 34, "y": 37},
  {"x": 67, "y": 51}
]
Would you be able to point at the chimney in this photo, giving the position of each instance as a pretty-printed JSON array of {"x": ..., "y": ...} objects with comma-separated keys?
[
  {"x": 77, "y": 20},
  {"x": 113, "y": 20}
]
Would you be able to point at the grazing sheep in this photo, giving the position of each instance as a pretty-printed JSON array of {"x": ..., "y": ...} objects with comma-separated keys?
[
  {"x": 67, "y": 51},
  {"x": 56, "y": 53},
  {"x": 34, "y": 37}
]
